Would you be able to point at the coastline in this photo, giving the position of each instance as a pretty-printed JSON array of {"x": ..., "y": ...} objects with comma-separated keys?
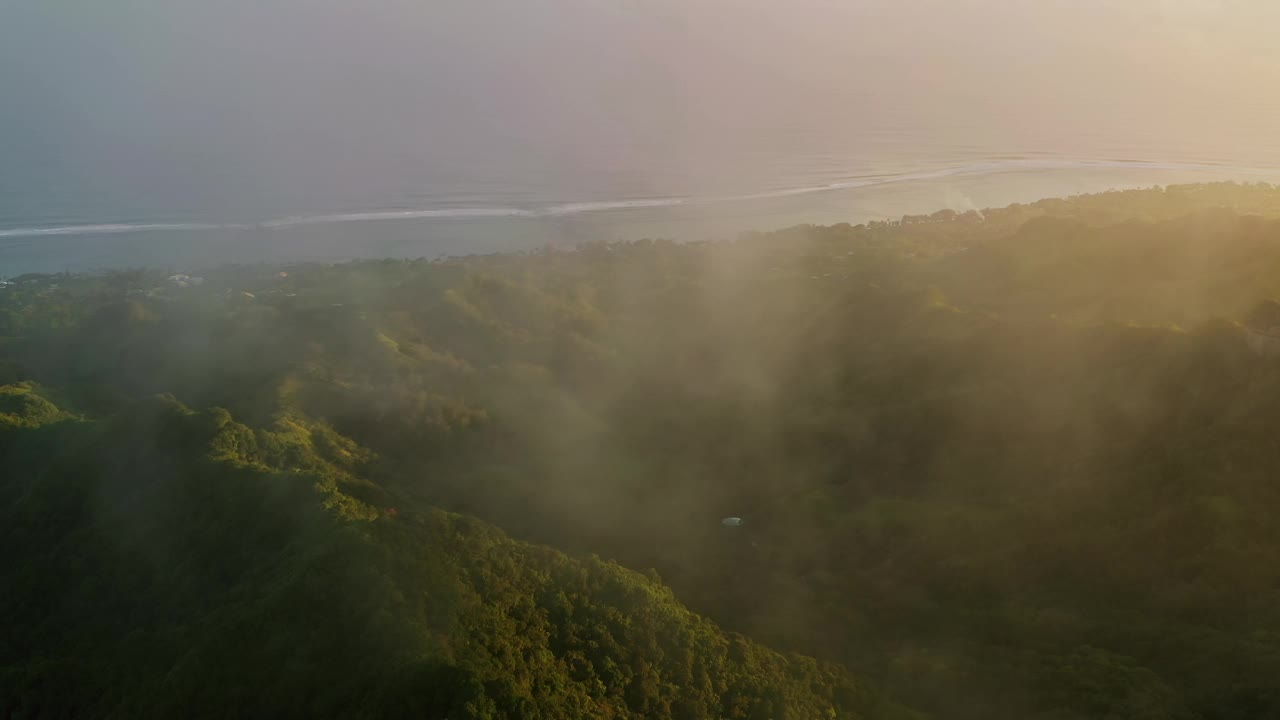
[{"x": 432, "y": 233}]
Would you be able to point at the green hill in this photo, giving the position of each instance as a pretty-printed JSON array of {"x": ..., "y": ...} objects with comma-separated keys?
[
  {"x": 180, "y": 564},
  {"x": 1016, "y": 463}
]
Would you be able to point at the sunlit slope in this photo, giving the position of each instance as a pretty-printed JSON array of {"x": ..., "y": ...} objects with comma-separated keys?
[
  {"x": 172, "y": 563},
  {"x": 1010, "y": 464}
]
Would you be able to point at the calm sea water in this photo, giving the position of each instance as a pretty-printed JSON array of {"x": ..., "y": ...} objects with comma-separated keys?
[{"x": 181, "y": 135}]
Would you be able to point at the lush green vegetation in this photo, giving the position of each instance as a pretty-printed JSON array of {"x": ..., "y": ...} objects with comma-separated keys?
[
  {"x": 1011, "y": 464},
  {"x": 181, "y": 564}
]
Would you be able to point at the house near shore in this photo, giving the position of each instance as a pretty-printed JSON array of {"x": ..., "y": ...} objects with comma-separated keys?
[{"x": 1262, "y": 328}]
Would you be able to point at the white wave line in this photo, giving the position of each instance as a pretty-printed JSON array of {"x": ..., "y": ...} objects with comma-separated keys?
[
  {"x": 996, "y": 167},
  {"x": 579, "y": 208},
  {"x": 113, "y": 229},
  {"x": 396, "y": 215},
  {"x": 587, "y": 207}
]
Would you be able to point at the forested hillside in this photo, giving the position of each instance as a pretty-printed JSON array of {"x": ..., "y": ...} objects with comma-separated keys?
[
  {"x": 1017, "y": 463},
  {"x": 180, "y": 564}
]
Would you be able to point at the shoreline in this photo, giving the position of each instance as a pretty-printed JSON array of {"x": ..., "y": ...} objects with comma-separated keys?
[
  {"x": 416, "y": 235},
  {"x": 569, "y": 209}
]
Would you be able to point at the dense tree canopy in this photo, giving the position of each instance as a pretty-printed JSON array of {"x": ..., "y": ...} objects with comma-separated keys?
[
  {"x": 182, "y": 564},
  {"x": 1017, "y": 463}
]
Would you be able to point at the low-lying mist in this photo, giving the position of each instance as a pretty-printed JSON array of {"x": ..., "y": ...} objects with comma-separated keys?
[{"x": 1004, "y": 462}]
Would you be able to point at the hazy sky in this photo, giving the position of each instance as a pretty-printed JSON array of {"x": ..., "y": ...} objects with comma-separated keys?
[{"x": 301, "y": 90}]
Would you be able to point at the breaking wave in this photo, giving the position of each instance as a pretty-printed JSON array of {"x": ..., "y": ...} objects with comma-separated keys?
[
  {"x": 110, "y": 229},
  {"x": 580, "y": 208}
]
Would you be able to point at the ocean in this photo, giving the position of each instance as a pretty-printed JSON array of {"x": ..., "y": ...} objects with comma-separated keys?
[
  {"x": 88, "y": 237},
  {"x": 182, "y": 135}
]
